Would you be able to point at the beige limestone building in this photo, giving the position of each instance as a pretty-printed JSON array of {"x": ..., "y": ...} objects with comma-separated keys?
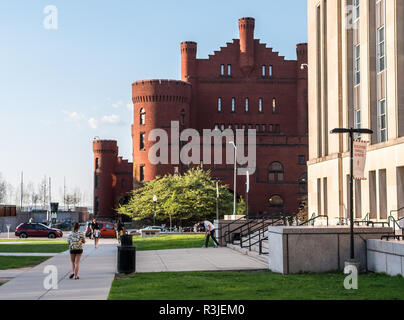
[{"x": 356, "y": 79}]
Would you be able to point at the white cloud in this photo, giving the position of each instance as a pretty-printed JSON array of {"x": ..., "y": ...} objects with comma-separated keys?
[
  {"x": 112, "y": 119},
  {"x": 73, "y": 115},
  {"x": 93, "y": 123},
  {"x": 117, "y": 105}
]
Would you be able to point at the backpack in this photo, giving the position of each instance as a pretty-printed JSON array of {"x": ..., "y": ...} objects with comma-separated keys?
[{"x": 75, "y": 241}]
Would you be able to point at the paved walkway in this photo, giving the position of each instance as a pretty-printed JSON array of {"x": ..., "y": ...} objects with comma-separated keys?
[
  {"x": 98, "y": 268},
  {"x": 28, "y": 254},
  {"x": 183, "y": 260},
  {"x": 97, "y": 271}
]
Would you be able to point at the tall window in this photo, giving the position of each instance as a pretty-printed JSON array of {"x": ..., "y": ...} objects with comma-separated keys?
[
  {"x": 229, "y": 69},
  {"x": 219, "y": 105},
  {"x": 233, "y": 104},
  {"x": 381, "y": 50},
  {"x": 97, "y": 163},
  {"x": 260, "y": 105},
  {"x": 357, "y": 9},
  {"x": 303, "y": 183},
  {"x": 358, "y": 119},
  {"x": 357, "y": 64},
  {"x": 141, "y": 173},
  {"x": 96, "y": 181},
  {"x": 276, "y": 172},
  {"x": 222, "y": 69},
  {"x": 274, "y": 105},
  {"x": 263, "y": 71},
  {"x": 96, "y": 205},
  {"x": 142, "y": 116},
  {"x": 246, "y": 104},
  {"x": 270, "y": 71},
  {"x": 382, "y": 121},
  {"x": 142, "y": 140},
  {"x": 183, "y": 117}
]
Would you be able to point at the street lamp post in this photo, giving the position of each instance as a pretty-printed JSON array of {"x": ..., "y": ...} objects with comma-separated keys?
[
  {"x": 235, "y": 178},
  {"x": 155, "y": 213},
  {"x": 351, "y": 132}
]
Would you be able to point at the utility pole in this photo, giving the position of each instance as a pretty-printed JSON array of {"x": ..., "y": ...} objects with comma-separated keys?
[
  {"x": 64, "y": 192},
  {"x": 22, "y": 188}
]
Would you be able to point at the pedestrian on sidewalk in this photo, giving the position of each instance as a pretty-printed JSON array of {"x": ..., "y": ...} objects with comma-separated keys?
[
  {"x": 96, "y": 232},
  {"x": 120, "y": 230},
  {"x": 209, "y": 231},
  {"x": 76, "y": 240}
]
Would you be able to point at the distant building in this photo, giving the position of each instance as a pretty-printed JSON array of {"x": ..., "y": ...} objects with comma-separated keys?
[
  {"x": 356, "y": 79},
  {"x": 244, "y": 85}
]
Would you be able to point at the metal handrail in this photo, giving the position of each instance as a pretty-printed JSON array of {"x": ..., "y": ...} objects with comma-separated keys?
[
  {"x": 397, "y": 211},
  {"x": 264, "y": 225},
  {"x": 228, "y": 227},
  {"x": 315, "y": 218},
  {"x": 228, "y": 233}
]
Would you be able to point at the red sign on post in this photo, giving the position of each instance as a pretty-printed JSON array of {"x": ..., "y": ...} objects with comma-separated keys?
[{"x": 359, "y": 159}]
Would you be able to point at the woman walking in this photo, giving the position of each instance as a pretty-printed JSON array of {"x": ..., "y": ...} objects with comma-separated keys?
[
  {"x": 76, "y": 240},
  {"x": 96, "y": 232}
]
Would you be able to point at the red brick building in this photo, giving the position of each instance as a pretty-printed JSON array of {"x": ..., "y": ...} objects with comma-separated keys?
[
  {"x": 244, "y": 85},
  {"x": 113, "y": 178}
]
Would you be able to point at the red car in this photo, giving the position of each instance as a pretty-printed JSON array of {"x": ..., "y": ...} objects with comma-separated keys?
[{"x": 25, "y": 230}]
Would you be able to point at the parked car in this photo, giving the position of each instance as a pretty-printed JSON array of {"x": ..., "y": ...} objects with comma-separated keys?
[
  {"x": 25, "y": 230},
  {"x": 157, "y": 227},
  {"x": 66, "y": 225},
  {"x": 188, "y": 229}
]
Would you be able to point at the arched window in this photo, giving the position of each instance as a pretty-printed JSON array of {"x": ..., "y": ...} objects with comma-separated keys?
[
  {"x": 229, "y": 69},
  {"x": 260, "y": 105},
  {"x": 271, "y": 71},
  {"x": 246, "y": 104},
  {"x": 276, "y": 172},
  {"x": 222, "y": 69},
  {"x": 303, "y": 183},
  {"x": 233, "y": 104},
  {"x": 276, "y": 201},
  {"x": 219, "y": 105},
  {"x": 183, "y": 117},
  {"x": 263, "y": 71},
  {"x": 142, "y": 116}
]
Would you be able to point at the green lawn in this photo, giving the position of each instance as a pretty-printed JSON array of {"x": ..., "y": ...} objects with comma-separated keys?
[
  {"x": 30, "y": 240},
  {"x": 20, "y": 262},
  {"x": 166, "y": 241},
  {"x": 40, "y": 247},
  {"x": 254, "y": 286}
]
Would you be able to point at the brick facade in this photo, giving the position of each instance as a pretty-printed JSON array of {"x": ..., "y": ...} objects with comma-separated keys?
[{"x": 276, "y": 90}]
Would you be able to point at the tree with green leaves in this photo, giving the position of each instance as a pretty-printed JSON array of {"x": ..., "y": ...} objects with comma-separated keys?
[{"x": 189, "y": 197}]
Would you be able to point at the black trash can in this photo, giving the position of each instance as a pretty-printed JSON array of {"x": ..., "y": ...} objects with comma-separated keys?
[
  {"x": 126, "y": 240},
  {"x": 126, "y": 255}
]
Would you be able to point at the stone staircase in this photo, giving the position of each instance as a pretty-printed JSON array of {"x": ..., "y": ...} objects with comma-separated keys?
[{"x": 254, "y": 252}]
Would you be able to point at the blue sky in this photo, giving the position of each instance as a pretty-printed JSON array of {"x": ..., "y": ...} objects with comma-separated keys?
[{"x": 61, "y": 88}]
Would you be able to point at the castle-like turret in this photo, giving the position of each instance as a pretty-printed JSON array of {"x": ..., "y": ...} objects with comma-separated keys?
[
  {"x": 156, "y": 104},
  {"x": 246, "y": 27},
  {"x": 105, "y": 155},
  {"x": 188, "y": 60}
]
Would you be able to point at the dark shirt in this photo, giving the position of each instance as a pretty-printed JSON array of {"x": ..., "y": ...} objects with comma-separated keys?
[
  {"x": 119, "y": 226},
  {"x": 95, "y": 226}
]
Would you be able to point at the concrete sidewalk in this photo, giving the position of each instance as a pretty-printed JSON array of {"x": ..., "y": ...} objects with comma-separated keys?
[
  {"x": 97, "y": 271},
  {"x": 184, "y": 260}
]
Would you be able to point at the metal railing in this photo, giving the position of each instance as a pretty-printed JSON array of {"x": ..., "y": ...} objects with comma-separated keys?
[{"x": 313, "y": 219}]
